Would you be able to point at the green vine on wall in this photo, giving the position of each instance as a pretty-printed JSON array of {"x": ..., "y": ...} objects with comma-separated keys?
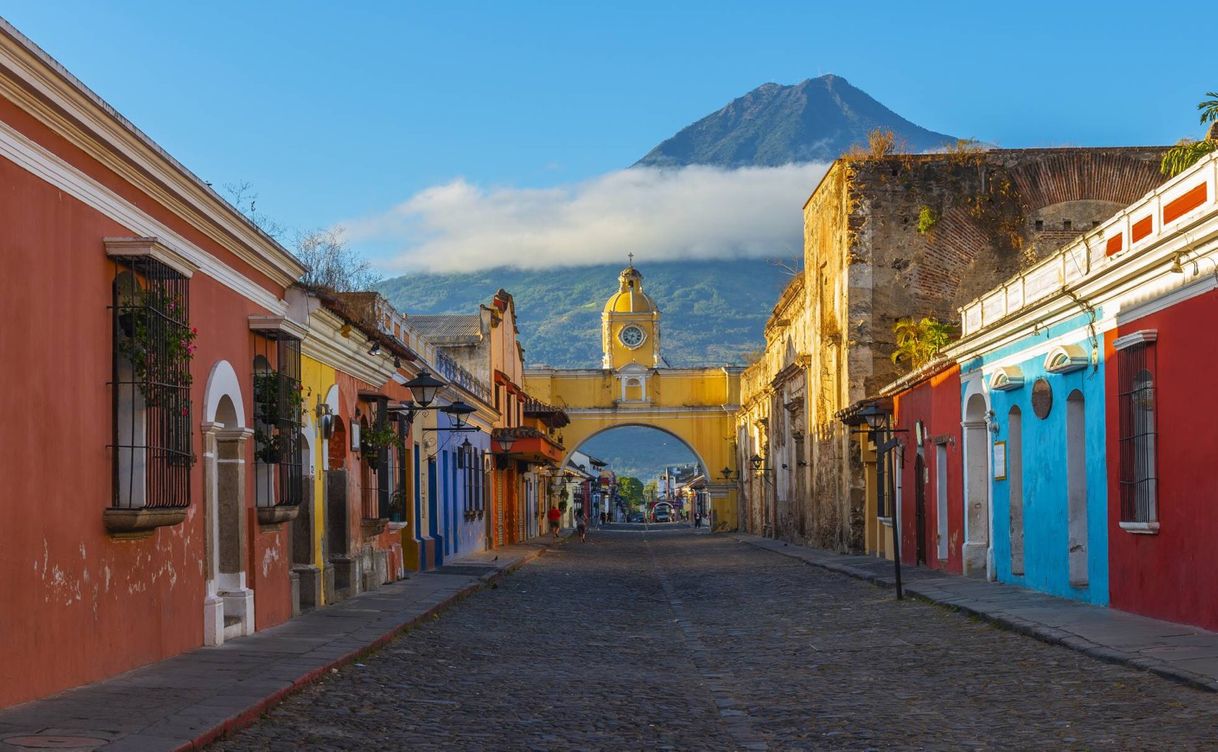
[{"x": 158, "y": 347}]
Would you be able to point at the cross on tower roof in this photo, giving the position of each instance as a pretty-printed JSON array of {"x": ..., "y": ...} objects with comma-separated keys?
[{"x": 631, "y": 257}]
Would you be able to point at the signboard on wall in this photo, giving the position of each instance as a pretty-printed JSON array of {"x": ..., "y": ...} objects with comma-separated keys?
[{"x": 1000, "y": 460}]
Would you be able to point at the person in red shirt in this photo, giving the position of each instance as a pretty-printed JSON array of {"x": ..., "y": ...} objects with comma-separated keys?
[{"x": 554, "y": 516}]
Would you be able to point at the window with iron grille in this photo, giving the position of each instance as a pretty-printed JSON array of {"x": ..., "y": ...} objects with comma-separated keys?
[
  {"x": 1136, "y": 390},
  {"x": 153, "y": 348},
  {"x": 279, "y": 464},
  {"x": 469, "y": 478},
  {"x": 482, "y": 480}
]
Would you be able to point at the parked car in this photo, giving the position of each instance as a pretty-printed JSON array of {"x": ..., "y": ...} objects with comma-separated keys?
[
  {"x": 662, "y": 515},
  {"x": 635, "y": 517}
]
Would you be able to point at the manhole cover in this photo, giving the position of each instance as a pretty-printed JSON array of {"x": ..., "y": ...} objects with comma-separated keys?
[{"x": 56, "y": 742}]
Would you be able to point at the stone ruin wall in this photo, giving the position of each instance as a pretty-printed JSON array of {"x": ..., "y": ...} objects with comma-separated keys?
[{"x": 867, "y": 265}]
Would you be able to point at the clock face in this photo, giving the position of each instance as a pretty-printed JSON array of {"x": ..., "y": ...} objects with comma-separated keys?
[{"x": 631, "y": 336}]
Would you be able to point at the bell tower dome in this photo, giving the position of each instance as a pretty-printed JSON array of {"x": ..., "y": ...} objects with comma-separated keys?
[{"x": 630, "y": 324}]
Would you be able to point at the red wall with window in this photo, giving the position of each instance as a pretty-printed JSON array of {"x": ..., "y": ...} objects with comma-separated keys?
[
  {"x": 76, "y": 604},
  {"x": 936, "y": 402},
  {"x": 1172, "y": 574}
]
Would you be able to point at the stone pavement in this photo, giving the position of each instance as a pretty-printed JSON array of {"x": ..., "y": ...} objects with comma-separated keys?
[
  {"x": 677, "y": 641},
  {"x": 1175, "y": 651},
  {"x": 186, "y": 701}
]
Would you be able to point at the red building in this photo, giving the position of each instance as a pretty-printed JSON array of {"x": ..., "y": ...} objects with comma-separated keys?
[
  {"x": 1162, "y": 523},
  {"x": 929, "y": 467},
  {"x": 129, "y": 332}
]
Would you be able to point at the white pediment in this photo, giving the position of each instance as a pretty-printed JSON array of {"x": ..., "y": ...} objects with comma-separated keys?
[
  {"x": 1007, "y": 379},
  {"x": 1066, "y": 358}
]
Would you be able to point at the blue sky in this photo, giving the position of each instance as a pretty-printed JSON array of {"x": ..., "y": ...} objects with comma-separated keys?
[{"x": 337, "y": 111}]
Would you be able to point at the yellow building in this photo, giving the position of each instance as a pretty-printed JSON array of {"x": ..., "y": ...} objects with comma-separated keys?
[{"x": 695, "y": 405}]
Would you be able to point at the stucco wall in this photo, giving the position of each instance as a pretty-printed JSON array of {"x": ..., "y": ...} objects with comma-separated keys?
[
  {"x": 1043, "y": 445},
  {"x": 936, "y": 403},
  {"x": 1172, "y": 575},
  {"x": 137, "y": 601}
]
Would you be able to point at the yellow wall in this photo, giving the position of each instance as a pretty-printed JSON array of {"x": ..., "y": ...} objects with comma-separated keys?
[{"x": 316, "y": 378}]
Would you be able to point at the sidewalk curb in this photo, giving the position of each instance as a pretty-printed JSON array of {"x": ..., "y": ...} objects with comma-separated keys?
[
  {"x": 250, "y": 715},
  {"x": 1046, "y": 634}
]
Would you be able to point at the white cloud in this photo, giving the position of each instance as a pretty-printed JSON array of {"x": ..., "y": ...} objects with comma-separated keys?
[{"x": 658, "y": 214}]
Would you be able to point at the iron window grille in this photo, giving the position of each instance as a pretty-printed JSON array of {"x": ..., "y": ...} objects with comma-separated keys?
[
  {"x": 370, "y": 506},
  {"x": 1138, "y": 436},
  {"x": 375, "y": 483},
  {"x": 279, "y": 463},
  {"x": 151, "y": 410}
]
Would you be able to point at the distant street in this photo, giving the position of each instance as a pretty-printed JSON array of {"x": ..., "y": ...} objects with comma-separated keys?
[{"x": 668, "y": 639}]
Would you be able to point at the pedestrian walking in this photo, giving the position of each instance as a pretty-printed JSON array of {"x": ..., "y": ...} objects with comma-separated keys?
[
  {"x": 555, "y": 518},
  {"x": 698, "y": 520},
  {"x": 582, "y": 528}
]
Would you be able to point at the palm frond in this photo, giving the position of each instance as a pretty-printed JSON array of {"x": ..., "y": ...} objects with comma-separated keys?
[
  {"x": 1184, "y": 155},
  {"x": 1209, "y": 108}
]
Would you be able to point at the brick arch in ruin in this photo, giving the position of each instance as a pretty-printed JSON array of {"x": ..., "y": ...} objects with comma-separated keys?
[{"x": 1061, "y": 193}]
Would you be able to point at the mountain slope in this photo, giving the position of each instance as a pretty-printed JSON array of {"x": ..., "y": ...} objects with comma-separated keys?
[
  {"x": 712, "y": 312},
  {"x": 813, "y": 121}
]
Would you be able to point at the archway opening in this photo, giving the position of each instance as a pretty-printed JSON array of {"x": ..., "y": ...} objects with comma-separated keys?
[
  {"x": 977, "y": 487},
  {"x": 658, "y": 474}
]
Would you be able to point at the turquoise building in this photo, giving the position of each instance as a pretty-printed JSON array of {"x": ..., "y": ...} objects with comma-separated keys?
[{"x": 1047, "y": 469}]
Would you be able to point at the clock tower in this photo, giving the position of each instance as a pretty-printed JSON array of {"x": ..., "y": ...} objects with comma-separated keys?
[{"x": 630, "y": 325}]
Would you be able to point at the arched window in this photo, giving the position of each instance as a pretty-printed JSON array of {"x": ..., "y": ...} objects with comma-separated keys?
[
  {"x": 1015, "y": 486},
  {"x": 634, "y": 390},
  {"x": 278, "y": 402},
  {"x": 1076, "y": 488},
  {"x": 1138, "y": 433}
]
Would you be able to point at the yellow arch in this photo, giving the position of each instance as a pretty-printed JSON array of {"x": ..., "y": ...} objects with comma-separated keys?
[{"x": 695, "y": 405}]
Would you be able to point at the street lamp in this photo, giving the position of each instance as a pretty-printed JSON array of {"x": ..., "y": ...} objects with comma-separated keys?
[
  {"x": 459, "y": 412},
  {"x": 756, "y": 461},
  {"x": 423, "y": 388},
  {"x": 505, "y": 440},
  {"x": 876, "y": 418}
]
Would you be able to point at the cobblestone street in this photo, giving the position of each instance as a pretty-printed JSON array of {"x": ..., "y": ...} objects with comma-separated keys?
[{"x": 681, "y": 641}]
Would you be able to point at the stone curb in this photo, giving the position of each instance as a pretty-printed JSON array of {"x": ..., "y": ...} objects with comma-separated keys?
[
  {"x": 1035, "y": 630},
  {"x": 260, "y": 707}
]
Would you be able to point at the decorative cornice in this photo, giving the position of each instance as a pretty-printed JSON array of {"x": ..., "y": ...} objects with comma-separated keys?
[
  {"x": 150, "y": 248},
  {"x": 1135, "y": 338},
  {"x": 279, "y": 325},
  {"x": 325, "y": 344},
  {"x": 40, "y": 162},
  {"x": 42, "y": 87}
]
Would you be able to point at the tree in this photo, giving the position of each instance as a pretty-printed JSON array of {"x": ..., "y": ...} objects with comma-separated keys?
[
  {"x": 630, "y": 489},
  {"x": 650, "y": 490},
  {"x": 332, "y": 264},
  {"x": 919, "y": 340},
  {"x": 1188, "y": 152},
  {"x": 245, "y": 199}
]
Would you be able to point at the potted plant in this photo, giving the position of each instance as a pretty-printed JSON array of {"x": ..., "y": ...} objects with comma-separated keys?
[
  {"x": 377, "y": 439},
  {"x": 268, "y": 445},
  {"x": 397, "y": 505}
]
